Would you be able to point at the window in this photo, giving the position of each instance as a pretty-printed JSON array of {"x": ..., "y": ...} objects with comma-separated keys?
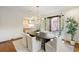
[{"x": 54, "y": 24}]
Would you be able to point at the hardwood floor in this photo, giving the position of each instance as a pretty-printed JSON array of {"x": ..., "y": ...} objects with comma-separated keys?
[
  {"x": 7, "y": 47},
  {"x": 76, "y": 47}
]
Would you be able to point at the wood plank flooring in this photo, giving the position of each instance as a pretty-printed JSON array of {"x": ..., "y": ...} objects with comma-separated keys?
[{"x": 7, "y": 47}]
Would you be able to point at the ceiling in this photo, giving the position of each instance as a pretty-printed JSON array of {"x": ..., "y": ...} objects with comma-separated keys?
[{"x": 43, "y": 11}]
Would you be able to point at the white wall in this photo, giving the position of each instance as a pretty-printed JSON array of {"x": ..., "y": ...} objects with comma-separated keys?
[
  {"x": 73, "y": 13},
  {"x": 10, "y": 23}
]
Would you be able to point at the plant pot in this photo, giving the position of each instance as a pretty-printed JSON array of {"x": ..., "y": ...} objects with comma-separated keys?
[{"x": 72, "y": 42}]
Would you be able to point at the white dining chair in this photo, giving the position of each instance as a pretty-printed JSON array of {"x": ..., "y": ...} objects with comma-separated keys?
[{"x": 33, "y": 44}]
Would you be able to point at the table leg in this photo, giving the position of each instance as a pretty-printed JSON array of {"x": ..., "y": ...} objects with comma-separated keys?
[{"x": 44, "y": 45}]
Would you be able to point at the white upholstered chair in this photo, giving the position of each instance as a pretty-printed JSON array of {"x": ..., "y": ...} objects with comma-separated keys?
[
  {"x": 33, "y": 44},
  {"x": 51, "y": 46},
  {"x": 57, "y": 45}
]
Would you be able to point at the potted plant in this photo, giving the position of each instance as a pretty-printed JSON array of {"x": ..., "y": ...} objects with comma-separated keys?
[{"x": 72, "y": 28}]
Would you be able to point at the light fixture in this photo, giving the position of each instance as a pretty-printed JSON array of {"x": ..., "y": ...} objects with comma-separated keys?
[
  {"x": 38, "y": 18},
  {"x": 37, "y": 12}
]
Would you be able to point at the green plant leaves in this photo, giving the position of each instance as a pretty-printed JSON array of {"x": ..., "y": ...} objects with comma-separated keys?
[{"x": 72, "y": 26}]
